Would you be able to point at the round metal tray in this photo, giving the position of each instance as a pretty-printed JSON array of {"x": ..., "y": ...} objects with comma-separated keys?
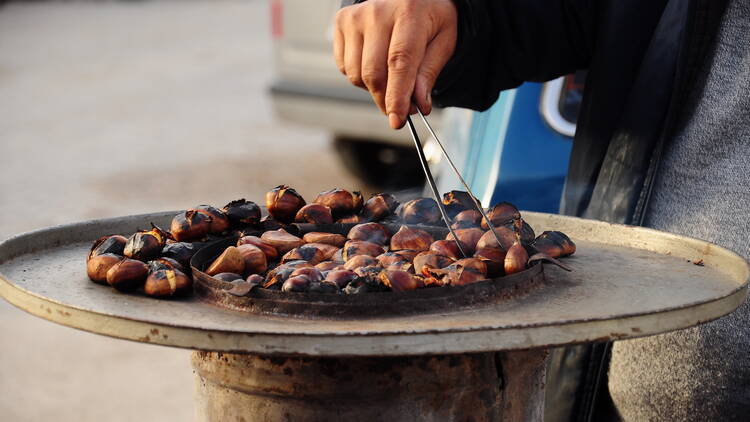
[{"x": 626, "y": 282}]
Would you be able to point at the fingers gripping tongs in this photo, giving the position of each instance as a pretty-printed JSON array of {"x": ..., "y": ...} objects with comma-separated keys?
[{"x": 433, "y": 187}]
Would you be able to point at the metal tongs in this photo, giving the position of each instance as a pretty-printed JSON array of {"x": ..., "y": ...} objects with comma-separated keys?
[{"x": 433, "y": 186}]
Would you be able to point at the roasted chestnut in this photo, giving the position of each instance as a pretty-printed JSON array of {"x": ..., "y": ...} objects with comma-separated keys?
[
  {"x": 242, "y": 213},
  {"x": 164, "y": 263},
  {"x": 370, "y": 232},
  {"x": 111, "y": 244},
  {"x": 361, "y": 247},
  {"x": 351, "y": 219},
  {"x": 309, "y": 252},
  {"x": 466, "y": 271},
  {"x": 283, "y": 203},
  {"x": 400, "y": 281},
  {"x": 456, "y": 201},
  {"x": 341, "y": 277},
  {"x": 494, "y": 258},
  {"x": 270, "y": 223},
  {"x": 254, "y": 257},
  {"x": 298, "y": 283},
  {"x": 219, "y": 221},
  {"x": 507, "y": 235},
  {"x": 190, "y": 225},
  {"x": 97, "y": 266},
  {"x": 166, "y": 283},
  {"x": 127, "y": 275},
  {"x": 402, "y": 265},
  {"x": 527, "y": 233},
  {"x": 146, "y": 245},
  {"x": 503, "y": 214},
  {"x": 281, "y": 240},
  {"x": 328, "y": 265},
  {"x": 333, "y": 239},
  {"x": 430, "y": 260},
  {"x": 312, "y": 273},
  {"x": 271, "y": 253},
  {"x": 408, "y": 238},
  {"x": 360, "y": 261},
  {"x": 468, "y": 238},
  {"x": 379, "y": 206},
  {"x": 230, "y": 261},
  {"x": 408, "y": 254},
  {"x": 255, "y": 279},
  {"x": 365, "y": 285},
  {"x": 516, "y": 259},
  {"x": 555, "y": 244},
  {"x": 314, "y": 214},
  {"x": 420, "y": 211},
  {"x": 340, "y": 201},
  {"x": 181, "y": 252},
  {"x": 389, "y": 258},
  {"x": 466, "y": 219},
  {"x": 368, "y": 271},
  {"x": 446, "y": 247}
]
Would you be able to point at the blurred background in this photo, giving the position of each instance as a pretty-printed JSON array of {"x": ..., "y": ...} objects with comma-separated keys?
[{"x": 110, "y": 108}]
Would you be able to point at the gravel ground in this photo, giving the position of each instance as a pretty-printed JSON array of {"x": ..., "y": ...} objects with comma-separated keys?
[{"x": 113, "y": 108}]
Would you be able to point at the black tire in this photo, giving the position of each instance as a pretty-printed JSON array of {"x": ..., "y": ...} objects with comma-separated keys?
[{"x": 379, "y": 164}]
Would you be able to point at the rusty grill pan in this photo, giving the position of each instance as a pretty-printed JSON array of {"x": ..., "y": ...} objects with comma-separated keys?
[{"x": 312, "y": 305}]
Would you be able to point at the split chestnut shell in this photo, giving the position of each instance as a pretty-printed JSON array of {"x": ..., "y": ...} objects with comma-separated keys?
[
  {"x": 340, "y": 201},
  {"x": 314, "y": 214},
  {"x": 242, "y": 213},
  {"x": 409, "y": 238},
  {"x": 379, "y": 206},
  {"x": 283, "y": 203},
  {"x": 420, "y": 211},
  {"x": 166, "y": 283}
]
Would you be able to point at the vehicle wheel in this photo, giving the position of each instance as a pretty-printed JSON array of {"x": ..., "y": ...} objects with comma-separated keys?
[{"x": 379, "y": 164}]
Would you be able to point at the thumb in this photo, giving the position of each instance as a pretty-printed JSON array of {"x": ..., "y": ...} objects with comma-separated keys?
[{"x": 436, "y": 55}]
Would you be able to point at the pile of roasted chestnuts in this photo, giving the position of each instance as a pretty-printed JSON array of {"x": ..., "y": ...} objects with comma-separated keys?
[{"x": 274, "y": 252}]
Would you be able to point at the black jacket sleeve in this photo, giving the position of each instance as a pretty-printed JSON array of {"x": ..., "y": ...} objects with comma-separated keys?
[{"x": 502, "y": 43}]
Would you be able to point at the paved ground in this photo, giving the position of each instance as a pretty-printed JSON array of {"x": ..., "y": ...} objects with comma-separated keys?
[{"x": 129, "y": 107}]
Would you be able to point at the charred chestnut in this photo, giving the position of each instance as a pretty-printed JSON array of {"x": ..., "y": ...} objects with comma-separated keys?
[
  {"x": 310, "y": 253},
  {"x": 328, "y": 266},
  {"x": 164, "y": 263},
  {"x": 389, "y": 258},
  {"x": 414, "y": 239},
  {"x": 146, "y": 245},
  {"x": 230, "y": 261},
  {"x": 379, "y": 206},
  {"x": 181, "y": 252},
  {"x": 323, "y": 287},
  {"x": 219, "y": 221},
  {"x": 456, "y": 201},
  {"x": 332, "y": 239},
  {"x": 127, "y": 275},
  {"x": 555, "y": 244},
  {"x": 364, "y": 285},
  {"x": 361, "y": 247},
  {"x": 283, "y": 203},
  {"x": 111, "y": 244},
  {"x": 276, "y": 278},
  {"x": 340, "y": 201},
  {"x": 166, "y": 283},
  {"x": 97, "y": 266},
  {"x": 270, "y": 223},
  {"x": 370, "y": 232},
  {"x": 420, "y": 211},
  {"x": 282, "y": 240},
  {"x": 314, "y": 214},
  {"x": 190, "y": 225},
  {"x": 242, "y": 213}
]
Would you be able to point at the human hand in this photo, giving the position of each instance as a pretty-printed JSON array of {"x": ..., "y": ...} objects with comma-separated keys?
[{"x": 396, "y": 49}]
